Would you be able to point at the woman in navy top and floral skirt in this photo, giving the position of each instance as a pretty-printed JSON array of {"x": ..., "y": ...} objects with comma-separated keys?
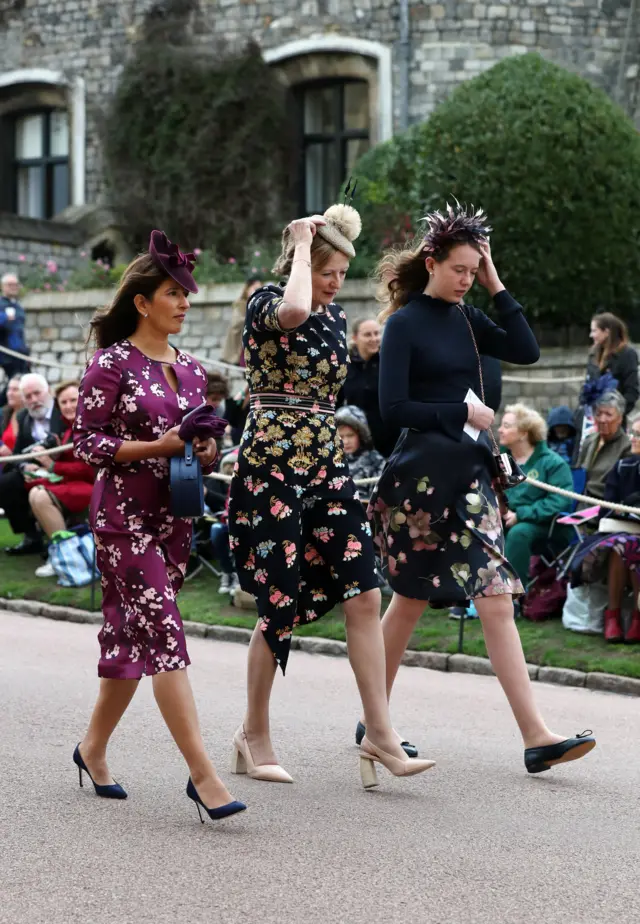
[
  {"x": 299, "y": 533},
  {"x": 435, "y": 511}
]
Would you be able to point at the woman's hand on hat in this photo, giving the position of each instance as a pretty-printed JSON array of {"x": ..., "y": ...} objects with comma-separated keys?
[
  {"x": 206, "y": 451},
  {"x": 170, "y": 444},
  {"x": 480, "y": 416},
  {"x": 303, "y": 230},
  {"x": 487, "y": 274}
]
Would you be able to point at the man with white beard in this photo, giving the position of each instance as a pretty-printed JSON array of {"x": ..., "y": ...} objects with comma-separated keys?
[{"x": 39, "y": 423}]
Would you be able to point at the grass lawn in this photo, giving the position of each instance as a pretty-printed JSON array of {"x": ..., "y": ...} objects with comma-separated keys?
[{"x": 544, "y": 643}]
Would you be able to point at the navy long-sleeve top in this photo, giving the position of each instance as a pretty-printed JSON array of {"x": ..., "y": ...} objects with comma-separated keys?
[{"x": 428, "y": 361}]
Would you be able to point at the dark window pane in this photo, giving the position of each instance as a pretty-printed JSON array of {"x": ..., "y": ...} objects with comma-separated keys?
[
  {"x": 31, "y": 192},
  {"x": 60, "y": 196},
  {"x": 356, "y": 106},
  {"x": 319, "y": 111},
  {"x": 322, "y": 176}
]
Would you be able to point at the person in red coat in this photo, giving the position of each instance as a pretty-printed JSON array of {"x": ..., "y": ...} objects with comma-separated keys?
[{"x": 60, "y": 486}]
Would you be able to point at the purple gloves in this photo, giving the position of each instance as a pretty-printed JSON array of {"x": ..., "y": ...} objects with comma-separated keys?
[{"x": 202, "y": 423}]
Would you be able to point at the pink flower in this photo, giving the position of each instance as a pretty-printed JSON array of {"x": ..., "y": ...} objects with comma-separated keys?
[
  {"x": 83, "y": 253},
  {"x": 52, "y": 266},
  {"x": 436, "y": 582},
  {"x": 256, "y": 253},
  {"x": 47, "y": 285},
  {"x": 232, "y": 259},
  {"x": 22, "y": 258},
  {"x": 197, "y": 252}
]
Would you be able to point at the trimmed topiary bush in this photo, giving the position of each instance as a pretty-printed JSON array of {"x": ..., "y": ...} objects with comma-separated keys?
[
  {"x": 198, "y": 144},
  {"x": 555, "y": 164}
]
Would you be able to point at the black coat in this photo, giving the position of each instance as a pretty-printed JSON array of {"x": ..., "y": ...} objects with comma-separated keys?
[
  {"x": 25, "y": 435},
  {"x": 361, "y": 388},
  {"x": 623, "y": 366}
]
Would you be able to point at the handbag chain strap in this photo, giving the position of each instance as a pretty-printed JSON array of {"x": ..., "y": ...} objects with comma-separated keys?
[{"x": 475, "y": 346}]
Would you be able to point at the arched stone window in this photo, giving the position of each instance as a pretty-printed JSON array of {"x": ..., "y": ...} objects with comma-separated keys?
[
  {"x": 42, "y": 143},
  {"x": 342, "y": 98}
]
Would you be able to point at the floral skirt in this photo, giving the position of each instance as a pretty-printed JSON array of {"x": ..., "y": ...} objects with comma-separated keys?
[
  {"x": 437, "y": 524},
  {"x": 298, "y": 531}
]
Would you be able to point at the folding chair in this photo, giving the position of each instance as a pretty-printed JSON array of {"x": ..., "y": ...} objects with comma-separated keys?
[{"x": 568, "y": 518}]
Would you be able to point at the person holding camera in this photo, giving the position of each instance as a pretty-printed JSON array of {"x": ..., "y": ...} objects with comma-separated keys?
[{"x": 40, "y": 425}]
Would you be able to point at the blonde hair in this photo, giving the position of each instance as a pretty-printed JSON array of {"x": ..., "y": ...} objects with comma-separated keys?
[
  {"x": 529, "y": 422},
  {"x": 321, "y": 253}
]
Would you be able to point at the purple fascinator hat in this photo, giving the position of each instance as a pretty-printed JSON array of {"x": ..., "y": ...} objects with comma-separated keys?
[{"x": 170, "y": 260}]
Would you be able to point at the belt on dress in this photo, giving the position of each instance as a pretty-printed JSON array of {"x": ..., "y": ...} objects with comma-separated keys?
[{"x": 270, "y": 399}]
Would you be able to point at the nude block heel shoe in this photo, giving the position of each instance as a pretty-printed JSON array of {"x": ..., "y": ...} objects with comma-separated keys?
[
  {"x": 242, "y": 762},
  {"x": 369, "y": 754}
]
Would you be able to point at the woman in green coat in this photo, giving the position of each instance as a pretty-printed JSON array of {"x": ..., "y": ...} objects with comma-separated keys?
[{"x": 523, "y": 431}]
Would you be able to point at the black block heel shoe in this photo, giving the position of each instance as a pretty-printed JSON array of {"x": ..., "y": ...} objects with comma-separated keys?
[
  {"x": 409, "y": 749},
  {"x": 537, "y": 760},
  {"x": 113, "y": 791}
]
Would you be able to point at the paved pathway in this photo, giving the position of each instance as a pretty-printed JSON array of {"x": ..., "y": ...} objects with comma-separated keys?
[{"x": 475, "y": 840}]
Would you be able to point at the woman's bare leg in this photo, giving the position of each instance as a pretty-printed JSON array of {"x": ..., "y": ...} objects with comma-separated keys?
[
  {"x": 398, "y": 625},
  {"x": 113, "y": 698},
  {"x": 45, "y": 511},
  {"x": 174, "y": 697},
  {"x": 365, "y": 645},
  {"x": 261, "y": 670},
  {"x": 507, "y": 659}
]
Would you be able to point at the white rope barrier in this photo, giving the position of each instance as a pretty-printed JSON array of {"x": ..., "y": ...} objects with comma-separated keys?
[
  {"x": 36, "y": 453},
  {"x": 537, "y": 380}
]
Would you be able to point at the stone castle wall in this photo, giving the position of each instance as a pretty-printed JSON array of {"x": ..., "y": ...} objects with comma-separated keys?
[{"x": 449, "y": 41}]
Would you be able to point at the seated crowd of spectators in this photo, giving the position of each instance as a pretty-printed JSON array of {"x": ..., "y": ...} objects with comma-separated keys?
[{"x": 42, "y": 499}]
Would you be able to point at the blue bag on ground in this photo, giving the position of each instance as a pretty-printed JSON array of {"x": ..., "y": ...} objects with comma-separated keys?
[{"x": 72, "y": 559}]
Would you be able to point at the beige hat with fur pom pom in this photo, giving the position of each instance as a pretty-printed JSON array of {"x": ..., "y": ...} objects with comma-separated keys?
[{"x": 343, "y": 226}]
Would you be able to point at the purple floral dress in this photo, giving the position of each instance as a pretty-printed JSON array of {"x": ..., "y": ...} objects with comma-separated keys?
[{"x": 142, "y": 550}]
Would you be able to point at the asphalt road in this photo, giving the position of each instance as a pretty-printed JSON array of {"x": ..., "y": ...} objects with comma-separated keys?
[{"x": 475, "y": 840}]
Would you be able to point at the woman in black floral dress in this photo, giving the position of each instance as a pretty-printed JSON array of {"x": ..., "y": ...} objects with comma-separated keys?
[
  {"x": 435, "y": 512},
  {"x": 301, "y": 540}
]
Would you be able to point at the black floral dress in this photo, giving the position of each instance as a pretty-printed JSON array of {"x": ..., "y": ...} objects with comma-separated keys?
[
  {"x": 298, "y": 531},
  {"x": 435, "y": 513}
]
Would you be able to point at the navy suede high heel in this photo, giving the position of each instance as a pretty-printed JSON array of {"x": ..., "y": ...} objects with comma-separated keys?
[
  {"x": 112, "y": 791},
  {"x": 223, "y": 811}
]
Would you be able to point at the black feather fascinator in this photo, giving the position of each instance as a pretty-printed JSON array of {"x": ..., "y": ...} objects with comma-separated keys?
[{"x": 459, "y": 224}]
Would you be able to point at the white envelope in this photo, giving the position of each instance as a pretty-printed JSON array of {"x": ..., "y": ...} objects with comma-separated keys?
[{"x": 471, "y": 398}]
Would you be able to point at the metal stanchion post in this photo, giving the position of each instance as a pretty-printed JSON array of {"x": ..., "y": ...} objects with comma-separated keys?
[{"x": 461, "y": 633}]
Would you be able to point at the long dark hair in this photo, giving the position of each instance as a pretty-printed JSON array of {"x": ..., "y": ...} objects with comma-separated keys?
[
  {"x": 402, "y": 271},
  {"x": 119, "y": 320},
  {"x": 618, "y": 337}
]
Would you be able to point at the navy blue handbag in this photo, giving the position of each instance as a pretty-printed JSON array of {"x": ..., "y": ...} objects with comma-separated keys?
[{"x": 187, "y": 487}]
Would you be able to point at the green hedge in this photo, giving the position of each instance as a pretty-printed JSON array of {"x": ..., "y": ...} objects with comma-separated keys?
[{"x": 553, "y": 161}]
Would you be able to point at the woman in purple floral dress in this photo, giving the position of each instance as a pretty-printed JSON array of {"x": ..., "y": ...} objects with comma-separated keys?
[
  {"x": 134, "y": 394},
  {"x": 435, "y": 512}
]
